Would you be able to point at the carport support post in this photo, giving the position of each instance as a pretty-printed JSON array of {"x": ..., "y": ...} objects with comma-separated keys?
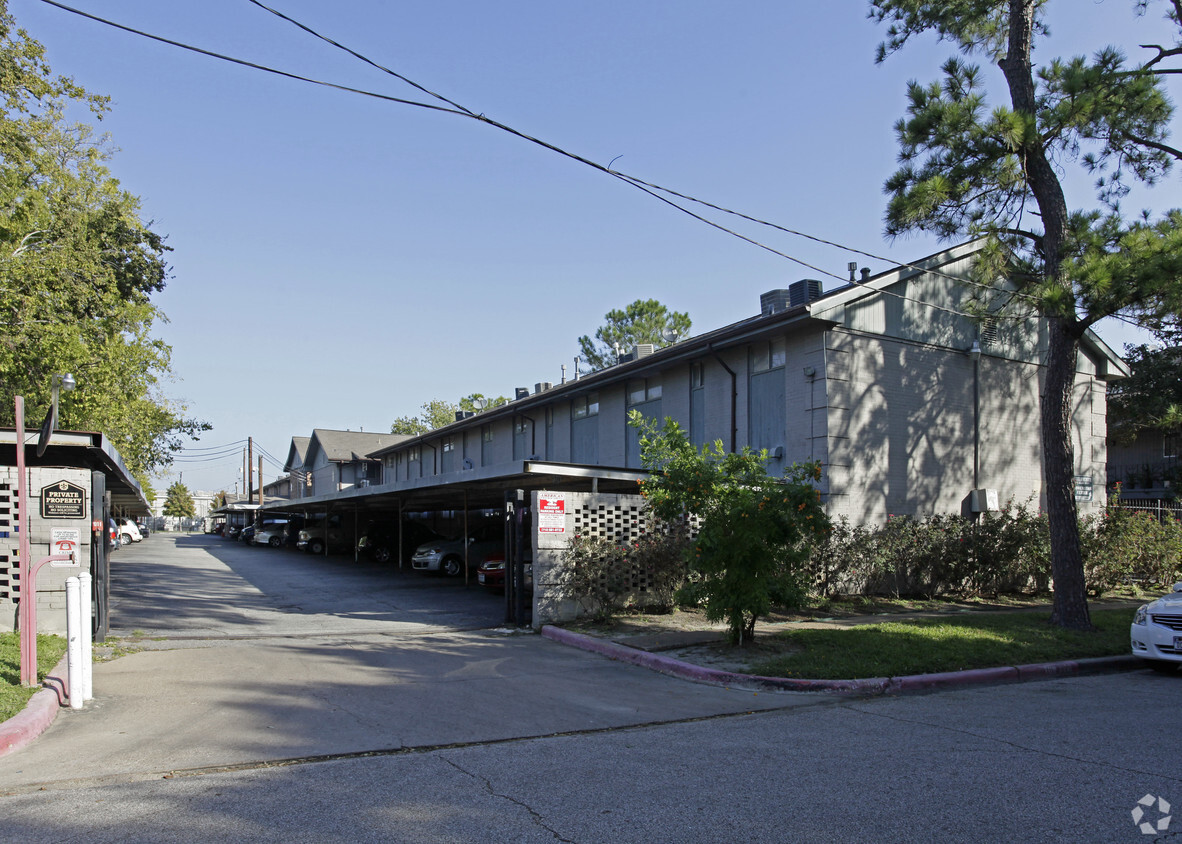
[{"x": 400, "y": 533}]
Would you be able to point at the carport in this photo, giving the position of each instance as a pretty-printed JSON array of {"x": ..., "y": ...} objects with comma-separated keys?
[{"x": 505, "y": 494}]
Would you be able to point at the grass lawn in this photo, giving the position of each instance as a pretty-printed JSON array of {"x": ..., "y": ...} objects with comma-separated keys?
[
  {"x": 14, "y": 696},
  {"x": 929, "y": 645}
]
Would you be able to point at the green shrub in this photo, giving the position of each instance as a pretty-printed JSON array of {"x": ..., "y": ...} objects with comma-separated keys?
[
  {"x": 1123, "y": 546},
  {"x": 607, "y": 577},
  {"x": 940, "y": 555},
  {"x": 751, "y": 550}
]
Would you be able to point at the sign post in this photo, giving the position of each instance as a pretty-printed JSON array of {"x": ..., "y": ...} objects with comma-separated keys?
[{"x": 28, "y": 569}]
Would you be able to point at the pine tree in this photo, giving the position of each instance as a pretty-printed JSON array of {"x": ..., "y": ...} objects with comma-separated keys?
[{"x": 968, "y": 169}]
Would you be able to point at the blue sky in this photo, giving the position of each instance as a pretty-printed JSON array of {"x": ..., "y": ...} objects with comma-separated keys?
[{"x": 340, "y": 260}]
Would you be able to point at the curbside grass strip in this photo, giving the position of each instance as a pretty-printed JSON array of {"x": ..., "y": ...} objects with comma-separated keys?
[
  {"x": 863, "y": 687},
  {"x": 39, "y": 712}
]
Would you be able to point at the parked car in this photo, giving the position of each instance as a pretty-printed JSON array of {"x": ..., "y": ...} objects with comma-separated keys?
[
  {"x": 379, "y": 540},
  {"x": 491, "y": 574},
  {"x": 447, "y": 555},
  {"x": 334, "y": 533},
  {"x": 1156, "y": 631},
  {"x": 128, "y": 532},
  {"x": 218, "y": 529},
  {"x": 273, "y": 533},
  {"x": 232, "y": 531},
  {"x": 144, "y": 529},
  {"x": 247, "y": 535}
]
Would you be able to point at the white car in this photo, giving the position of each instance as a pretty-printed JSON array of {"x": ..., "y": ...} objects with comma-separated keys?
[
  {"x": 1156, "y": 631},
  {"x": 129, "y": 532},
  {"x": 271, "y": 533}
]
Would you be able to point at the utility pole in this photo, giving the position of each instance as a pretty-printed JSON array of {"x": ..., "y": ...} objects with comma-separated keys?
[
  {"x": 260, "y": 480},
  {"x": 250, "y": 470}
]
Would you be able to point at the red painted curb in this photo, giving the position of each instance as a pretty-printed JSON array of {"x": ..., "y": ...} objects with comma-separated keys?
[
  {"x": 38, "y": 714},
  {"x": 869, "y": 686}
]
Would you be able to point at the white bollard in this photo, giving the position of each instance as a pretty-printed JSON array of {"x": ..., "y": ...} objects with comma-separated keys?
[
  {"x": 87, "y": 619},
  {"x": 73, "y": 643}
]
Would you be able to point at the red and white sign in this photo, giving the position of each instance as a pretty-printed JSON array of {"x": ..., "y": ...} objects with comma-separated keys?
[
  {"x": 65, "y": 541},
  {"x": 551, "y": 512}
]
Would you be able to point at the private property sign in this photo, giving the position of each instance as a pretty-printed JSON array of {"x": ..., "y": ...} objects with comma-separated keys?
[
  {"x": 63, "y": 500},
  {"x": 551, "y": 512}
]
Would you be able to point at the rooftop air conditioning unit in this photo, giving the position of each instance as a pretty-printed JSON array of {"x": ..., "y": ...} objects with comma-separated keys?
[
  {"x": 773, "y": 302},
  {"x": 543, "y": 386},
  {"x": 641, "y": 350},
  {"x": 520, "y": 393},
  {"x": 805, "y": 290}
]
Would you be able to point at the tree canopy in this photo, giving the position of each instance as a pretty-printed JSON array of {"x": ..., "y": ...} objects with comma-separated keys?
[
  {"x": 438, "y": 412},
  {"x": 1151, "y": 399},
  {"x": 178, "y": 501},
  {"x": 77, "y": 269},
  {"x": 973, "y": 169},
  {"x": 644, "y": 321}
]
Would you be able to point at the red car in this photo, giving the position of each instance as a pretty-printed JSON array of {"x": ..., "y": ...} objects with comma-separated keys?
[{"x": 491, "y": 574}]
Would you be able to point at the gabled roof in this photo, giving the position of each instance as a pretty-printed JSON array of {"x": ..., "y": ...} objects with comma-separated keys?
[
  {"x": 296, "y": 453},
  {"x": 347, "y": 446}
]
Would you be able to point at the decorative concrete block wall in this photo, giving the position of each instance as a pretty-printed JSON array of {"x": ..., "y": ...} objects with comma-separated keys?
[
  {"x": 51, "y": 581},
  {"x": 614, "y": 517}
]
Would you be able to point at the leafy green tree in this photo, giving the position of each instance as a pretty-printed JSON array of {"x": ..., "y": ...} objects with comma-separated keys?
[
  {"x": 178, "y": 501},
  {"x": 218, "y": 501},
  {"x": 1151, "y": 399},
  {"x": 968, "y": 169},
  {"x": 644, "y": 321},
  {"x": 437, "y": 413},
  {"x": 77, "y": 269},
  {"x": 754, "y": 530},
  {"x": 477, "y": 402}
]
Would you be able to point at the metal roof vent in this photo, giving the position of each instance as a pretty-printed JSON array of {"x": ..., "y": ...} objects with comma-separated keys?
[{"x": 520, "y": 393}]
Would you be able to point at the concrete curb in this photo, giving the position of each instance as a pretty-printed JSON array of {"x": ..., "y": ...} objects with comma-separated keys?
[
  {"x": 39, "y": 712},
  {"x": 864, "y": 687}
]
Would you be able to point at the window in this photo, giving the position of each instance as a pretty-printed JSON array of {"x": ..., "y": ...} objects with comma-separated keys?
[
  {"x": 770, "y": 354},
  {"x": 584, "y": 429},
  {"x": 1170, "y": 445},
  {"x": 549, "y": 433},
  {"x": 585, "y": 406},
  {"x": 520, "y": 430},
  {"x": 449, "y": 444},
  {"x": 697, "y": 430},
  {"x": 447, "y": 460},
  {"x": 644, "y": 397},
  {"x": 486, "y": 445},
  {"x": 641, "y": 390}
]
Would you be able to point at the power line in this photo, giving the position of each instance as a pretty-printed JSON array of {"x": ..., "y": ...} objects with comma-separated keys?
[{"x": 649, "y": 188}]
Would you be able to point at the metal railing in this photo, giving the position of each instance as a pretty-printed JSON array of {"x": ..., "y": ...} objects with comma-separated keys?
[{"x": 1162, "y": 508}]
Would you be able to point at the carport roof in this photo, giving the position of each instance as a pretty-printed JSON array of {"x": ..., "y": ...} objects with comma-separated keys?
[
  {"x": 81, "y": 450},
  {"x": 473, "y": 493}
]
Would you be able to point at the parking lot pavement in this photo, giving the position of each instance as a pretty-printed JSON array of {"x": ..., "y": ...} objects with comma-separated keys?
[
  {"x": 250, "y": 654},
  {"x": 1060, "y": 760},
  {"x": 176, "y": 585}
]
